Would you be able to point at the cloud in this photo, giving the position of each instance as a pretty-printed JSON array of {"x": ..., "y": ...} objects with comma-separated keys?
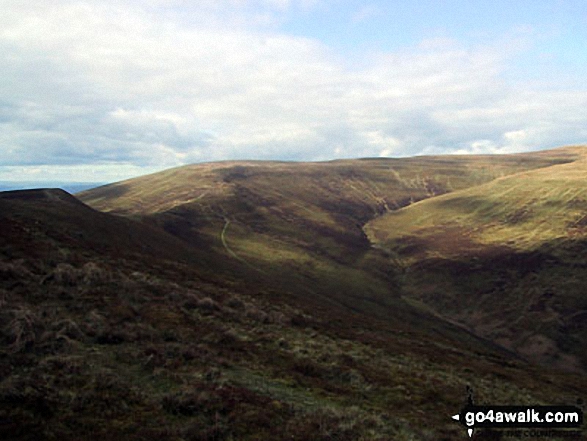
[
  {"x": 50, "y": 174},
  {"x": 158, "y": 83}
]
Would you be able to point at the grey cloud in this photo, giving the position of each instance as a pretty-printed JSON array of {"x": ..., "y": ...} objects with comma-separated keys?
[
  {"x": 114, "y": 83},
  {"x": 35, "y": 134}
]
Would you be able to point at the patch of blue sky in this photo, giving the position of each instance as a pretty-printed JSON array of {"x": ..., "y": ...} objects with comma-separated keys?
[
  {"x": 556, "y": 27},
  {"x": 111, "y": 90}
]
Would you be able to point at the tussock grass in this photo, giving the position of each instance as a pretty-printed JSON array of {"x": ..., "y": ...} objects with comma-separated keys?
[
  {"x": 503, "y": 258},
  {"x": 146, "y": 328}
]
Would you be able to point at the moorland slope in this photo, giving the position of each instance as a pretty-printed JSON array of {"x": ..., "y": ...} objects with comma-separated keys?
[
  {"x": 506, "y": 258},
  {"x": 245, "y": 301},
  {"x": 301, "y": 224}
]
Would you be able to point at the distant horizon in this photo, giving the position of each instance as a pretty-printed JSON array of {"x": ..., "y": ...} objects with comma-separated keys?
[
  {"x": 78, "y": 185},
  {"x": 70, "y": 187}
]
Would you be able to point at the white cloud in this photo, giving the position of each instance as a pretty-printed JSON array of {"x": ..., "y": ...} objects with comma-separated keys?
[
  {"x": 80, "y": 173},
  {"x": 164, "y": 82}
]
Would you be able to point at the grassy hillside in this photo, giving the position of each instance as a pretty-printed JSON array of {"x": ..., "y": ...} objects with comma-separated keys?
[
  {"x": 300, "y": 224},
  {"x": 244, "y": 301},
  {"x": 505, "y": 258},
  {"x": 524, "y": 211},
  {"x": 106, "y": 335}
]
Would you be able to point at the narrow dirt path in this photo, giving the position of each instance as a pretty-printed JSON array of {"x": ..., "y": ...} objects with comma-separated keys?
[{"x": 230, "y": 251}]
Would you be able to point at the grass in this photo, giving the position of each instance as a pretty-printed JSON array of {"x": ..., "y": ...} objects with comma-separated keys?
[
  {"x": 524, "y": 211},
  {"x": 143, "y": 326},
  {"x": 217, "y": 372},
  {"x": 501, "y": 258},
  {"x": 301, "y": 222}
]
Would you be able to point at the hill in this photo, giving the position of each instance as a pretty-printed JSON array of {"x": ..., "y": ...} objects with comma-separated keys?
[
  {"x": 505, "y": 258},
  {"x": 297, "y": 223},
  {"x": 243, "y": 301}
]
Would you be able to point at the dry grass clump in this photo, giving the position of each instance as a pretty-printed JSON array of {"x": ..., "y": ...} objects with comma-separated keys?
[
  {"x": 4, "y": 297},
  {"x": 235, "y": 303},
  {"x": 94, "y": 323},
  {"x": 206, "y": 304},
  {"x": 66, "y": 274},
  {"x": 186, "y": 403},
  {"x": 22, "y": 329},
  {"x": 139, "y": 276},
  {"x": 212, "y": 411},
  {"x": 15, "y": 270},
  {"x": 278, "y": 317},
  {"x": 107, "y": 394},
  {"x": 300, "y": 320},
  {"x": 191, "y": 300},
  {"x": 122, "y": 319},
  {"x": 27, "y": 394},
  {"x": 256, "y": 314},
  {"x": 345, "y": 424},
  {"x": 67, "y": 330},
  {"x": 91, "y": 273}
]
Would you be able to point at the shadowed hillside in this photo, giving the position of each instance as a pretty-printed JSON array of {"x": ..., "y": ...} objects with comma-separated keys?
[
  {"x": 506, "y": 258},
  {"x": 243, "y": 301},
  {"x": 300, "y": 224}
]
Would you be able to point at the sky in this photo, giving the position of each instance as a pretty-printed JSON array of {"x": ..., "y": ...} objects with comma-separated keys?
[{"x": 100, "y": 91}]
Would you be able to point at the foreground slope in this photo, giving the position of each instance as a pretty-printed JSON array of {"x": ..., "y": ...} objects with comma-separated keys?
[
  {"x": 506, "y": 258},
  {"x": 241, "y": 301},
  {"x": 52, "y": 219},
  {"x": 104, "y": 338}
]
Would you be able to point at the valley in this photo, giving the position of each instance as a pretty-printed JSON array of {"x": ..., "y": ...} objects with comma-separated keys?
[{"x": 351, "y": 299}]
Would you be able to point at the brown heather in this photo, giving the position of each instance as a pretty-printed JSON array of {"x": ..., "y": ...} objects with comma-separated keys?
[{"x": 283, "y": 301}]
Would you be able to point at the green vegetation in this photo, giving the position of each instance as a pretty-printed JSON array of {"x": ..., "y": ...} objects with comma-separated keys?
[
  {"x": 504, "y": 258},
  {"x": 524, "y": 211},
  {"x": 244, "y": 301},
  {"x": 300, "y": 224}
]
